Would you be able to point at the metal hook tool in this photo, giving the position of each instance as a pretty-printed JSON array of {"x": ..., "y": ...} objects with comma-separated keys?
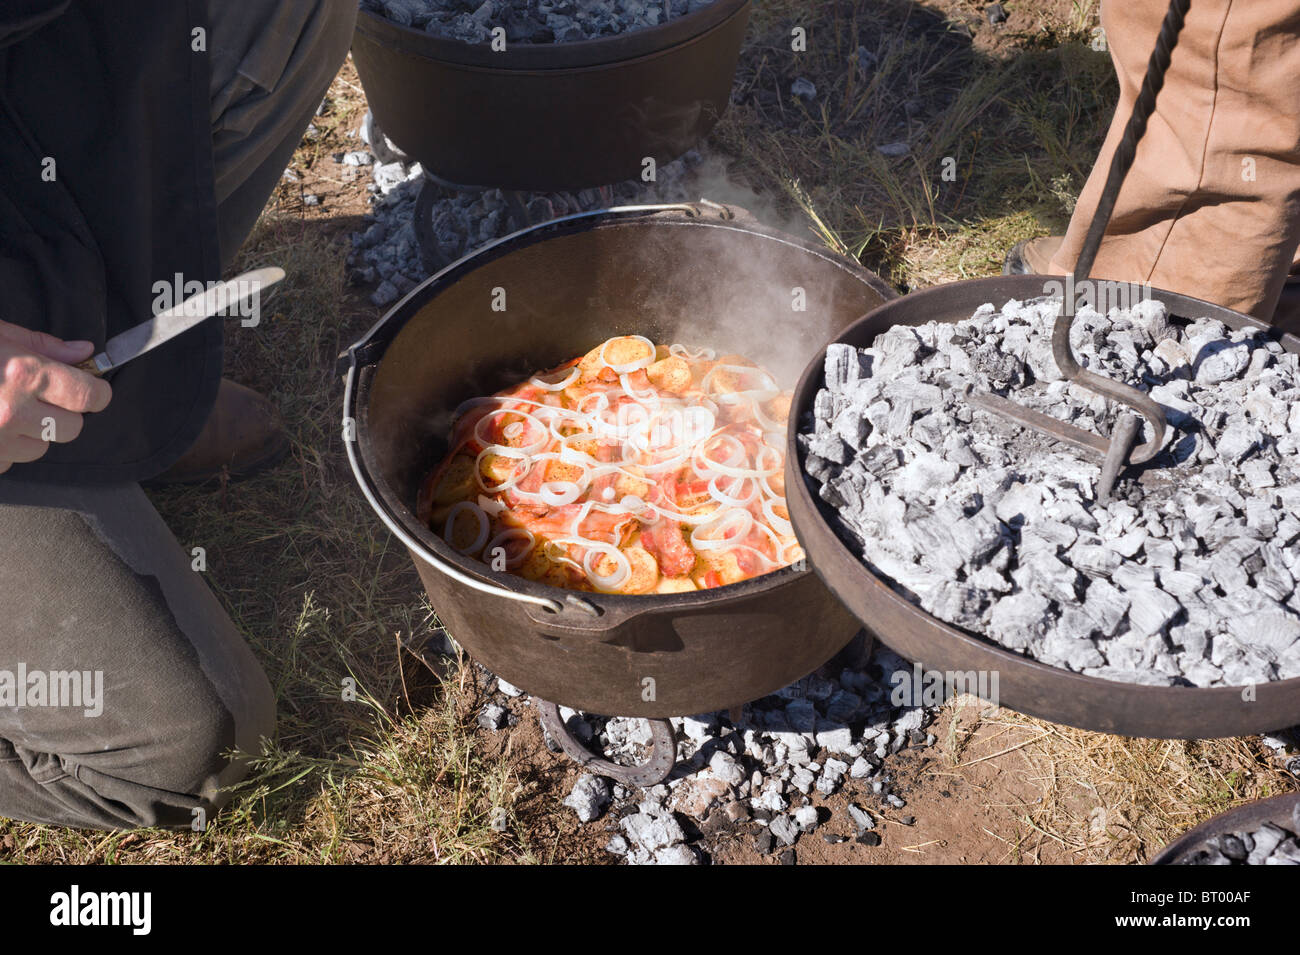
[{"x": 1117, "y": 450}]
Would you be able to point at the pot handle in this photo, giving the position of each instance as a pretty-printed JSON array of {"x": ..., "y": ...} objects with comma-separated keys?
[{"x": 395, "y": 526}]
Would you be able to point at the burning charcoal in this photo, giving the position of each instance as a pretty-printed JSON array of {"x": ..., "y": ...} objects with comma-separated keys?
[
  {"x": 1258, "y": 473},
  {"x": 1043, "y": 572},
  {"x": 831, "y": 447},
  {"x": 1094, "y": 560},
  {"x": 957, "y": 449},
  {"x": 1048, "y": 534},
  {"x": 924, "y": 473},
  {"x": 844, "y": 365},
  {"x": 1275, "y": 630},
  {"x": 1107, "y": 605},
  {"x": 1274, "y": 578},
  {"x": 898, "y": 348},
  {"x": 853, "y": 429},
  {"x": 1151, "y": 610},
  {"x": 1020, "y": 504},
  {"x": 958, "y": 603},
  {"x": 1215, "y": 360},
  {"x": 1019, "y": 619},
  {"x": 880, "y": 459},
  {"x": 1226, "y": 567},
  {"x": 1267, "y": 838},
  {"x": 1182, "y": 583},
  {"x": 1237, "y": 442}
]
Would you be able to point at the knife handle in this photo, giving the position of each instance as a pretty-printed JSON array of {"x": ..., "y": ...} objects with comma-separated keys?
[{"x": 89, "y": 367}]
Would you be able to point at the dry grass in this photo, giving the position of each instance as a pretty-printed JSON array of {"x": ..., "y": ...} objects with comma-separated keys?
[{"x": 1103, "y": 798}]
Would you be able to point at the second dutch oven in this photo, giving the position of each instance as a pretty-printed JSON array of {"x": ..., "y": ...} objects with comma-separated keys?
[{"x": 551, "y": 116}]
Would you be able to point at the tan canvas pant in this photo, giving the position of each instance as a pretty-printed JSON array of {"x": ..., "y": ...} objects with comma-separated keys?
[{"x": 1211, "y": 206}]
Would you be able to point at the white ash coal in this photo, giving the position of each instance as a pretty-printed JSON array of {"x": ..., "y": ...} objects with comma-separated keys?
[
  {"x": 1268, "y": 845},
  {"x": 386, "y": 253},
  {"x": 833, "y": 731},
  {"x": 531, "y": 21},
  {"x": 1188, "y": 577}
]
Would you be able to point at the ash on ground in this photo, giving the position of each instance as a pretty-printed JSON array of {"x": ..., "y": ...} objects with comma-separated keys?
[
  {"x": 1188, "y": 576},
  {"x": 531, "y": 21},
  {"x": 834, "y": 730},
  {"x": 1270, "y": 844},
  {"x": 386, "y": 253}
]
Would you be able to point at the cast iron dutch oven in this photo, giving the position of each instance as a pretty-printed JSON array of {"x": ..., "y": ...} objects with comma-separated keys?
[
  {"x": 550, "y": 116},
  {"x": 1277, "y": 810},
  {"x": 1024, "y": 684},
  {"x": 691, "y": 273}
]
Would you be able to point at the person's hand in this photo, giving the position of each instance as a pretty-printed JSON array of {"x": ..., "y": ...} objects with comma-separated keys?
[{"x": 42, "y": 397}]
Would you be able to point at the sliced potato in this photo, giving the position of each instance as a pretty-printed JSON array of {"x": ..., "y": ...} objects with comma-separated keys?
[
  {"x": 498, "y": 468},
  {"x": 559, "y": 471},
  {"x": 671, "y": 374},
  {"x": 675, "y": 585},
  {"x": 725, "y": 563},
  {"x": 625, "y": 349},
  {"x": 626, "y": 484},
  {"x": 644, "y": 570},
  {"x": 464, "y": 529},
  {"x": 457, "y": 482}
]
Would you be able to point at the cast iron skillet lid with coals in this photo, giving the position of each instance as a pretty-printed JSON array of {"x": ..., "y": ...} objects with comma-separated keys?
[{"x": 1048, "y": 692}]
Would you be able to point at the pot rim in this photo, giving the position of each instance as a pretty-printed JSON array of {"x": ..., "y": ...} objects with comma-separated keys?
[
  {"x": 551, "y": 57},
  {"x": 810, "y": 381},
  {"x": 1254, "y": 813},
  {"x": 367, "y": 351}
]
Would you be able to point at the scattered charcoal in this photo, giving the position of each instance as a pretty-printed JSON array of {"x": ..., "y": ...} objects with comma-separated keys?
[
  {"x": 869, "y": 839},
  {"x": 589, "y": 797},
  {"x": 1186, "y": 577},
  {"x": 753, "y": 769},
  {"x": 493, "y": 716}
]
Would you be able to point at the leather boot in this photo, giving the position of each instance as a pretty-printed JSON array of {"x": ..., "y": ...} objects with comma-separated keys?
[
  {"x": 1031, "y": 256},
  {"x": 243, "y": 433}
]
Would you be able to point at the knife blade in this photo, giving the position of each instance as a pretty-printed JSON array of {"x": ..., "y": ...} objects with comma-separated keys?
[{"x": 180, "y": 318}]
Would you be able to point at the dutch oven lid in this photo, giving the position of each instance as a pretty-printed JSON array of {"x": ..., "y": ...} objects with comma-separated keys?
[{"x": 1027, "y": 685}]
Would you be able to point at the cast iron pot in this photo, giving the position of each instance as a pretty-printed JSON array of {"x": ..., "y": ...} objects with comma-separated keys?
[
  {"x": 1024, "y": 684},
  {"x": 550, "y": 116},
  {"x": 693, "y": 273},
  {"x": 1277, "y": 810}
]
